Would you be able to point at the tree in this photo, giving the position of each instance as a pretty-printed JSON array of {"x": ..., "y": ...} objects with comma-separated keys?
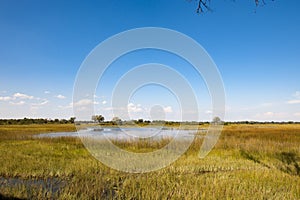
[
  {"x": 203, "y": 5},
  {"x": 116, "y": 120},
  {"x": 98, "y": 118},
  {"x": 216, "y": 120},
  {"x": 72, "y": 120}
]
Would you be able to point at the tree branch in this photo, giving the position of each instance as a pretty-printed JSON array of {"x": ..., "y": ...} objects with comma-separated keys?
[{"x": 203, "y": 5}]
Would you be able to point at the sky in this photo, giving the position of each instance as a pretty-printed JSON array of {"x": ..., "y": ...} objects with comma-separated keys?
[{"x": 44, "y": 43}]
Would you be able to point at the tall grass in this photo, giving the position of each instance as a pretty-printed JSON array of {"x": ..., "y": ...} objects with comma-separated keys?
[
  {"x": 15, "y": 132},
  {"x": 248, "y": 162}
]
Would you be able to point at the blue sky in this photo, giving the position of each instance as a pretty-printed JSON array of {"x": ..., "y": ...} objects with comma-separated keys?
[{"x": 43, "y": 43}]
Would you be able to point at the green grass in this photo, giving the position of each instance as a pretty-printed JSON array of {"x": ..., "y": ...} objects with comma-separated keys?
[{"x": 248, "y": 162}]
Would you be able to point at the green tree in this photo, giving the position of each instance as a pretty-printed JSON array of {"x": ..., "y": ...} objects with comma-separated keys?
[
  {"x": 72, "y": 120},
  {"x": 98, "y": 118},
  {"x": 216, "y": 120},
  {"x": 116, "y": 120}
]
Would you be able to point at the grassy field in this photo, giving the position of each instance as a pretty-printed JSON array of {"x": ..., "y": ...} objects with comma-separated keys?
[{"x": 248, "y": 162}]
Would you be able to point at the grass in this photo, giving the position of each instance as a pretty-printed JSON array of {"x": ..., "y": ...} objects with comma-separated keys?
[
  {"x": 16, "y": 132},
  {"x": 248, "y": 162}
]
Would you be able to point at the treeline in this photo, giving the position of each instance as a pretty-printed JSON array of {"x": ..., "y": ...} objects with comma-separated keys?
[
  {"x": 145, "y": 122},
  {"x": 118, "y": 121},
  {"x": 36, "y": 121},
  {"x": 176, "y": 123},
  {"x": 265, "y": 122}
]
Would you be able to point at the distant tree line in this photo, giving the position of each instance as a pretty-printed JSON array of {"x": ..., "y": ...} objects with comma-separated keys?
[
  {"x": 36, "y": 121},
  {"x": 117, "y": 121},
  {"x": 216, "y": 120},
  {"x": 265, "y": 122}
]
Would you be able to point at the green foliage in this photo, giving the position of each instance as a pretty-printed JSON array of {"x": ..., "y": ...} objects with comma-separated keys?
[
  {"x": 216, "y": 120},
  {"x": 98, "y": 118},
  {"x": 27, "y": 121},
  {"x": 116, "y": 121}
]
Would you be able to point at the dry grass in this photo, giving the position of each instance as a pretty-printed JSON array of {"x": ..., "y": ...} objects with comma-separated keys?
[
  {"x": 248, "y": 162},
  {"x": 15, "y": 132}
]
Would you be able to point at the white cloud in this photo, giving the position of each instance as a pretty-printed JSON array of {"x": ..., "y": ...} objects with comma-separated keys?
[
  {"x": 208, "y": 112},
  {"x": 16, "y": 96},
  {"x": 70, "y": 105},
  {"x": 44, "y": 102},
  {"x": 168, "y": 109},
  {"x": 41, "y": 103},
  {"x": 47, "y": 92},
  {"x": 83, "y": 102},
  {"x": 22, "y": 96},
  {"x": 79, "y": 104},
  {"x": 5, "y": 98},
  {"x": 295, "y": 101},
  {"x": 268, "y": 114},
  {"x": 104, "y": 102},
  {"x": 134, "y": 108},
  {"x": 17, "y": 103},
  {"x": 297, "y": 94},
  {"x": 108, "y": 108},
  {"x": 60, "y": 96},
  {"x": 272, "y": 115}
]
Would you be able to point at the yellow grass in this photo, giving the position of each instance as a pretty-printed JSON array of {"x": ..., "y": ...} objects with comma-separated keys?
[{"x": 248, "y": 162}]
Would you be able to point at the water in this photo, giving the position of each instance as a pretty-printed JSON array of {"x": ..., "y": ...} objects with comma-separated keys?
[
  {"x": 52, "y": 185},
  {"x": 125, "y": 133}
]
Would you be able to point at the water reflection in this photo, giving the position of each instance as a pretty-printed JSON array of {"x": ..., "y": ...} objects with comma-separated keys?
[{"x": 116, "y": 133}]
